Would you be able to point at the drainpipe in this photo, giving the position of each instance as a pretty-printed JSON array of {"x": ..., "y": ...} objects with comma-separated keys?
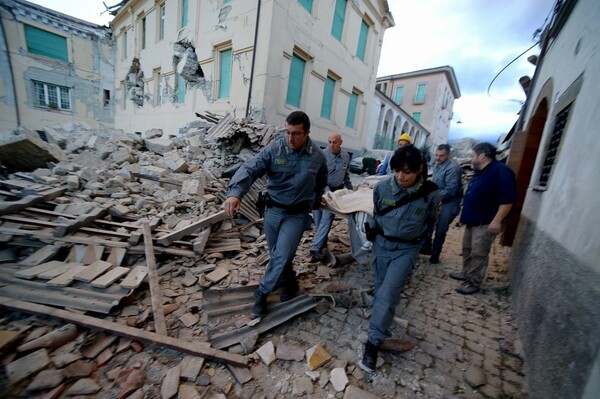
[
  {"x": 10, "y": 70},
  {"x": 253, "y": 59}
]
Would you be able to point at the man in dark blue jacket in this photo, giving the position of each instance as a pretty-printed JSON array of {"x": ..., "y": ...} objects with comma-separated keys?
[{"x": 488, "y": 200}]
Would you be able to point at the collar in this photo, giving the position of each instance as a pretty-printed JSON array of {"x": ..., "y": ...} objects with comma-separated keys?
[
  {"x": 396, "y": 187},
  {"x": 308, "y": 148}
]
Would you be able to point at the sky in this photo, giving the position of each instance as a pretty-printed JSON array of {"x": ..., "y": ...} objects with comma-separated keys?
[{"x": 478, "y": 38}]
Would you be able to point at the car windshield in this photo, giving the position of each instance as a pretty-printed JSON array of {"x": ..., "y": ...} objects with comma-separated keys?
[{"x": 377, "y": 154}]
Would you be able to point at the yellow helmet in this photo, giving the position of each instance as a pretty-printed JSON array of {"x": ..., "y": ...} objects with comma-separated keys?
[{"x": 405, "y": 137}]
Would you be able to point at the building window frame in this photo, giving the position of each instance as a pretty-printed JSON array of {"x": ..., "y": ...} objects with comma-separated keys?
[
  {"x": 225, "y": 68},
  {"x": 47, "y": 44},
  {"x": 417, "y": 116},
  {"x": 142, "y": 28},
  {"x": 561, "y": 120},
  {"x": 184, "y": 13},
  {"x": 161, "y": 21},
  {"x": 363, "y": 38},
  {"x": 339, "y": 17},
  {"x": 51, "y": 96},
  {"x": 307, "y": 5},
  {"x": 352, "y": 109},
  {"x": 124, "y": 44},
  {"x": 181, "y": 89},
  {"x": 399, "y": 95},
  {"x": 420, "y": 93},
  {"x": 329, "y": 88},
  {"x": 296, "y": 79}
]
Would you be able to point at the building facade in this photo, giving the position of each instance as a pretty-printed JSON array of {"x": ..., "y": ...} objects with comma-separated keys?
[
  {"x": 427, "y": 95},
  {"x": 53, "y": 68},
  {"x": 389, "y": 121},
  {"x": 554, "y": 263},
  {"x": 259, "y": 58}
]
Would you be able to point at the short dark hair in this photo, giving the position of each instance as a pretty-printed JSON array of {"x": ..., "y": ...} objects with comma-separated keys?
[
  {"x": 486, "y": 149},
  {"x": 408, "y": 155},
  {"x": 444, "y": 147},
  {"x": 298, "y": 118}
]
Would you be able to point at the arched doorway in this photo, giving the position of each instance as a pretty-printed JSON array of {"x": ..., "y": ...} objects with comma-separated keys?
[{"x": 521, "y": 160}]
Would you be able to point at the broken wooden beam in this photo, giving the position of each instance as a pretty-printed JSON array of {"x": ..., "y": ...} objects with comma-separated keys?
[
  {"x": 147, "y": 337},
  {"x": 84, "y": 220},
  {"x": 159, "y": 315},
  {"x": 189, "y": 229},
  {"x": 7, "y": 207}
]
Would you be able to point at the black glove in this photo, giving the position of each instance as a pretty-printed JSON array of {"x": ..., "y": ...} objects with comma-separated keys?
[
  {"x": 371, "y": 232},
  {"x": 261, "y": 203}
]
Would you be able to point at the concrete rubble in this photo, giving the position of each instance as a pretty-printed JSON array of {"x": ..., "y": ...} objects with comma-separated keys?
[{"x": 110, "y": 181}]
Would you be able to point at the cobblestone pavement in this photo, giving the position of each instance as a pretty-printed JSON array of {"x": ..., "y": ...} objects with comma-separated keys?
[{"x": 462, "y": 341}]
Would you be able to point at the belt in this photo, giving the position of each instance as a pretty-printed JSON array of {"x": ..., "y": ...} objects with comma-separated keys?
[
  {"x": 299, "y": 207},
  {"x": 397, "y": 239}
]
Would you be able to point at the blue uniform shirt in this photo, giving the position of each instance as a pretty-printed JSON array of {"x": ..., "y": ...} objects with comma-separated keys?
[
  {"x": 292, "y": 176},
  {"x": 447, "y": 176},
  {"x": 409, "y": 221},
  {"x": 489, "y": 188},
  {"x": 338, "y": 165}
]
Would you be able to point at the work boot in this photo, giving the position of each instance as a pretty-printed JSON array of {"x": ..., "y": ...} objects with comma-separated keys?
[
  {"x": 317, "y": 256},
  {"x": 467, "y": 288},
  {"x": 435, "y": 259},
  {"x": 289, "y": 288},
  {"x": 260, "y": 304},
  {"x": 369, "y": 360},
  {"x": 458, "y": 276}
]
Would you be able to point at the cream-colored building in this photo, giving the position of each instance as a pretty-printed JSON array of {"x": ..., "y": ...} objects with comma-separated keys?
[
  {"x": 555, "y": 273},
  {"x": 175, "y": 58},
  {"x": 53, "y": 68},
  {"x": 427, "y": 95}
]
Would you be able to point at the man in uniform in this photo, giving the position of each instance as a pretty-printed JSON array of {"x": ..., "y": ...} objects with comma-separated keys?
[
  {"x": 447, "y": 175},
  {"x": 338, "y": 163},
  {"x": 489, "y": 197},
  {"x": 296, "y": 172}
]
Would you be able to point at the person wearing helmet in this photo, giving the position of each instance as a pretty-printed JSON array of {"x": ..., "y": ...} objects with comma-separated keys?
[{"x": 384, "y": 168}]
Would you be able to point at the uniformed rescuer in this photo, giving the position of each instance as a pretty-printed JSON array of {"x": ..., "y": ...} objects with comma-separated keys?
[
  {"x": 403, "y": 205},
  {"x": 338, "y": 163},
  {"x": 296, "y": 172}
]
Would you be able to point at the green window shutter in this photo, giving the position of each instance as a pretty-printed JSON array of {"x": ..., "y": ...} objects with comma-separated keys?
[
  {"x": 226, "y": 1},
  {"x": 184, "y": 13},
  {"x": 225, "y": 74},
  {"x": 417, "y": 116},
  {"x": 307, "y": 4},
  {"x": 44, "y": 43},
  {"x": 143, "y": 33},
  {"x": 420, "y": 94},
  {"x": 351, "y": 110},
  {"x": 362, "y": 41},
  {"x": 399, "y": 95},
  {"x": 328, "y": 90},
  {"x": 180, "y": 89},
  {"x": 294, "y": 91},
  {"x": 161, "y": 28},
  {"x": 339, "y": 15}
]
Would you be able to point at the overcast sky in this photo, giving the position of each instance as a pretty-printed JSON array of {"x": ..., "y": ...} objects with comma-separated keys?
[{"x": 476, "y": 37}]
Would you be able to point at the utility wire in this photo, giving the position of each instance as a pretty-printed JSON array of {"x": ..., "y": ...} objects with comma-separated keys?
[{"x": 507, "y": 65}]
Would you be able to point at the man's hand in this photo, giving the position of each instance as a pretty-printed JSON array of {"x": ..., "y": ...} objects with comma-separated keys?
[
  {"x": 232, "y": 206},
  {"x": 494, "y": 228}
]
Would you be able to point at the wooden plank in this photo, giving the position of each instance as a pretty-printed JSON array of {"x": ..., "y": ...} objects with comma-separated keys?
[
  {"x": 56, "y": 271},
  {"x": 67, "y": 277},
  {"x": 197, "y": 349},
  {"x": 135, "y": 277},
  {"x": 110, "y": 277},
  {"x": 8, "y": 207},
  {"x": 42, "y": 235},
  {"x": 207, "y": 221},
  {"x": 159, "y": 315},
  {"x": 93, "y": 253},
  {"x": 92, "y": 271},
  {"x": 27, "y": 365},
  {"x": 200, "y": 242},
  {"x": 82, "y": 221},
  {"x": 40, "y": 256},
  {"x": 34, "y": 271},
  {"x": 77, "y": 253},
  {"x": 116, "y": 256}
]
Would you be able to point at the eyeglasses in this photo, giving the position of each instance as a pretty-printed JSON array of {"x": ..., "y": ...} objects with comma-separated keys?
[{"x": 296, "y": 134}]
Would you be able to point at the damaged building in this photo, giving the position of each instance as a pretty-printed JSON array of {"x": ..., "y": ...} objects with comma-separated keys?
[
  {"x": 259, "y": 59},
  {"x": 54, "y": 69}
]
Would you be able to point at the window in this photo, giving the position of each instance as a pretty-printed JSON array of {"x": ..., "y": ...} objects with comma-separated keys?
[
  {"x": 328, "y": 90},
  {"x": 296, "y": 79},
  {"x": 350, "y": 117},
  {"x": 184, "y": 13},
  {"x": 180, "y": 89},
  {"x": 52, "y": 96},
  {"x": 224, "y": 73},
  {"x": 226, "y": 1},
  {"x": 339, "y": 15},
  {"x": 306, "y": 4},
  {"x": 44, "y": 43},
  {"x": 106, "y": 98},
  {"x": 398, "y": 95},
  {"x": 157, "y": 79},
  {"x": 416, "y": 116},
  {"x": 420, "y": 94},
  {"x": 124, "y": 45},
  {"x": 446, "y": 100},
  {"x": 362, "y": 40},
  {"x": 161, "y": 22},
  {"x": 123, "y": 95},
  {"x": 552, "y": 153},
  {"x": 143, "y": 33}
]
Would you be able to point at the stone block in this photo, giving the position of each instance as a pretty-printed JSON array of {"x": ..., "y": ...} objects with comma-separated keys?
[
  {"x": 317, "y": 356},
  {"x": 267, "y": 353}
]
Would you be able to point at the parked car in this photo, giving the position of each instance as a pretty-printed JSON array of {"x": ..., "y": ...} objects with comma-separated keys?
[{"x": 356, "y": 165}]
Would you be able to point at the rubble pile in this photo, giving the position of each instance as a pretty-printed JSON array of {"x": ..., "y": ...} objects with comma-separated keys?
[{"x": 88, "y": 233}]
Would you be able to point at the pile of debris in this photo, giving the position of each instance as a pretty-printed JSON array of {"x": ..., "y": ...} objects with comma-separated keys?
[{"x": 123, "y": 234}]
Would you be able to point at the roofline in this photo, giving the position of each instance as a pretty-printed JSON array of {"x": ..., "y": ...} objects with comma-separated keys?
[
  {"x": 55, "y": 13},
  {"x": 447, "y": 69}
]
